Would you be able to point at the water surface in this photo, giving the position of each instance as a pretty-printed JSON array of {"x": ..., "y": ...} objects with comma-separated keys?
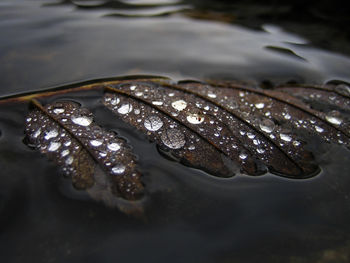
[{"x": 190, "y": 216}]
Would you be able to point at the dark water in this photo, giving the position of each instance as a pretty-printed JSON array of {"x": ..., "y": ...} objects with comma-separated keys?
[{"x": 189, "y": 216}]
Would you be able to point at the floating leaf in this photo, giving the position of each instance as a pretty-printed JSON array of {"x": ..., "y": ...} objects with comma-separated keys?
[
  {"x": 95, "y": 159},
  {"x": 219, "y": 127},
  {"x": 254, "y": 128}
]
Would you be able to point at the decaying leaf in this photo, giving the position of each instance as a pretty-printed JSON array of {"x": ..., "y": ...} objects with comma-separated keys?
[
  {"x": 219, "y": 127},
  {"x": 255, "y": 128},
  {"x": 95, "y": 159}
]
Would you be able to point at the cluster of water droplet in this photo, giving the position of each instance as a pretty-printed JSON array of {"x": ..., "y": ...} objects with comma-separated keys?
[{"x": 66, "y": 129}]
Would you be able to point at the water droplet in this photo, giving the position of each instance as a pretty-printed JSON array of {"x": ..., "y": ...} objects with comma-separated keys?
[
  {"x": 287, "y": 116},
  {"x": 260, "y": 150},
  {"x": 125, "y": 108},
  {"x": 192, "y": 147},
  {"x": 296, "y": 143},
  {"x": 179, "y": 105},
  {"x": 137, "y": 111},
  {"x": 285, "y": 137},
  {"x": 259, "y": 105},
  {"x": 319, "y": 129},
  {"x": 51, "y": 134},
  {"x": 139, "y": 94},
  {"x": 195, "y": 118},
  {"x": 96, "y": 143},
  {"x": 153, "y": 123},
  {"x": 250, "y": 135},
  {"x": 173, "y": 138},
  {"x": 211, "y": 95},
  {"x": 64, "y": 153},
  {"x": 69, "y": 160},
  {"x": 207, "y": 107},
  {"x": 231, "y": 104},
  {"x": 118, "y": 169},
  {"x": 343, "y": 89},
  {"x": 115, "y": 101},
  {"x": 243, "y": 156},
  {"x": 67, "y": 143},
  {"x": 37, "y": 133},
  {"x": 132, "y": 87},
  {"x": 334, "y": 117},
  {"x": 113, "y": 146},
  {"x": 102, "y": 154},
  {"x": 267, "y": 125},
  {"x": 157, "y": 103},
  {"x": 58, "y": 110},
  {"x": 82, "y": 120},
  {"x": 54, "y": 146}
]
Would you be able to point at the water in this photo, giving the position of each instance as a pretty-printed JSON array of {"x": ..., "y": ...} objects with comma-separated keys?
[{"x": 189, "y": 216}]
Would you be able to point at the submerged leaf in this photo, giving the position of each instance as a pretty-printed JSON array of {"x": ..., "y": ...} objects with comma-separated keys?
[{"x": 95, "y": 159}]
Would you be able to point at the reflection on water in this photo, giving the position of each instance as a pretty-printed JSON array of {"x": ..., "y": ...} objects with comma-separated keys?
[{"x": 189, "y": 213}]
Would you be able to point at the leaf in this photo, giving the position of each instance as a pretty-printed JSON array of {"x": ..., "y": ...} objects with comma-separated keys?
[
  {"x": 96, "y": 160},
  {"x": 221, "y": 127},
  {"x": 254, "y": 128}
]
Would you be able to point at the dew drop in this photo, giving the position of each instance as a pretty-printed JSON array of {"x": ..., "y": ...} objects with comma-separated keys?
[
  {"x": 173, "y": 138},
  {"x": 259, "y": 105},
  {"x": 82, "y": 120},
  {"x": 267, "y": 125},
  {"x": 250, "y": 135},
  {"x": 260, "y": 150},
  {"x": 102, "y": 154},
  {"x": 139, "y": 94},
  {"x": 296, "y": 143},
  {"x": 195, "y": 118},
  {"x": 69, "y": 160},
  {"x": 58, "y": 110},
  {"x": 192, "y": 147},
  {"x": 54, "y": 146},
  {"x": 125, "y": 108},
  {"x": 37, "y": 133},
  {"x": 51, "y": 134},
  {"x": 64, "y": 153},
  {"x": 157, "y": 103},
  {"x": 287, "y": 116},
  {"x": 118, "y": 169},
  {"x": 334, "y": 117},
  {"x": 319, "y": 129},
  {"x": 285, "y": 137},
  {"x": 179, "y": 105},
  {"x": 211, "y": 95},
  {"x": 132, "y": 87},
  {"x": 343, "y": 89},
  {"x": 243, "y": 156},
  {"x": 113, "y": 146},
  {"x": 153, "y": 123},
  {"x": 232, "y": 104},
  {"x": 115, "y": 101},
  {"x": 96, "y": 143}
]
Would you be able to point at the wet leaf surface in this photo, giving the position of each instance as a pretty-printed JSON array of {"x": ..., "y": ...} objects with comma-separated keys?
[
  {"x": 222, "y": 128},
  {"x": 96, "y": 160}
]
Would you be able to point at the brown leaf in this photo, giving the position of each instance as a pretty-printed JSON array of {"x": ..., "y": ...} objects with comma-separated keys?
[
  {"x": 96, "y": 160},
  {"x": 254, "y": 128}
]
